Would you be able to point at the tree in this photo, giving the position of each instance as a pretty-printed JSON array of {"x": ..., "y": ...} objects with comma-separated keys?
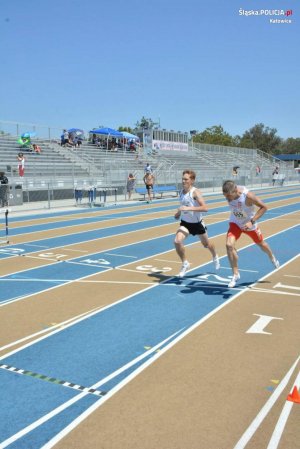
[
  {"x": 126, "y": 129},
  {"x": 215, "y": 135},
  {"x": 146, "y": 123},
  {"x": 261, "y": 137},
  {"x": 290, "y": 146}
]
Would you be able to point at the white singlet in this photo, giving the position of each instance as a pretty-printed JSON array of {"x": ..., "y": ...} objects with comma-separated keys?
[
  {"x": 186, "y": 199},
  {"x": 240, "y": 212}
]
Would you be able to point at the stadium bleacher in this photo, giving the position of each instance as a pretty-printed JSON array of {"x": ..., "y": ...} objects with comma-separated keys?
[{"x": 58, "y": 169}]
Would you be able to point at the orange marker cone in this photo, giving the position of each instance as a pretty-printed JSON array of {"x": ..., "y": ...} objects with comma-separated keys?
[{"x": 295, "y": 396}]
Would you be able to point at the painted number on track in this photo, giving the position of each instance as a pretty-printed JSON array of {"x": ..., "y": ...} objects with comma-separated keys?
[
  {"x": 96, "y": 261},
  {"x": 153, "y": 269},
  {"x": 52, "y": 255}
]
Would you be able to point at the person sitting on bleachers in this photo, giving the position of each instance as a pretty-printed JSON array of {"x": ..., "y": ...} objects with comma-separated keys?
[
  {"x": 25, "y": 144},
  {"x": 77, "y": 141},
  {"x": 66, "y": 139},
  {"x": 36, "y": 148}
]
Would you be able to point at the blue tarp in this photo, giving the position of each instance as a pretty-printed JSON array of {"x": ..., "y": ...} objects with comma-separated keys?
[
  {"x": 288, "y": 157},
  {"x": 107, "y": 132},
  {"x": 76, "y": 131},
  {"x": 129, "y": 136}
]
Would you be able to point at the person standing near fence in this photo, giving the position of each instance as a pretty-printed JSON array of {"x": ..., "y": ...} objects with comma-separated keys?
[
  {"x": 130, "y": 185},
  {"x": 3, "y": 190},
  {"x": 192, "y": 206},
  {"x": 149, "y": 182},
  {"x": 243, "y": 219}
]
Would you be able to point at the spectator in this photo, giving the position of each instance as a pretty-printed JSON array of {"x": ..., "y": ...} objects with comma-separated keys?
[
  {"x": 148, "y": 168},
  {"x": 258, "y": 170},
  {"x": 78, "y": 195},
  {"x": 130, "y": 185},
  {"x": 132, "y": 146},
  {"x": 3, "y": 190},
  {"x": 78, "y": 141},
  {"x": 149, "y": 182},
  {"x": 36, "y": 148},
  {"x": 275, "y": 175},
  {"x": 21, "y": 164},
  {"x": 235, "y": 171},
  {"x": 66, "y": 138}
]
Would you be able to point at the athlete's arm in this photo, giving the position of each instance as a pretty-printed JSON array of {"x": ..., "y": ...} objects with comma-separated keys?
[
  {"x": 200, "y": 200},
  {"x": 253, "y": 199}
]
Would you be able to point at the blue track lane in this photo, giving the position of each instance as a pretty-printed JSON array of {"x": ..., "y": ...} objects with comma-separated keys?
[
  {"x": 210, "y": 198},
  {"x": 98, "y": 219},
  {"x": 88, "y": 351},
  {"x": 24, "y": 283},
  {"x": 80, "y": 237}
]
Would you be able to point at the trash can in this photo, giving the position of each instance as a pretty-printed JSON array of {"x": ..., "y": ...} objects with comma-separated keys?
[{"x": 15, "y": 196}]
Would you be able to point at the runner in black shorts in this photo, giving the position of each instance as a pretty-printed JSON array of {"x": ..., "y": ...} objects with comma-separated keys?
[
  {"x": 194, "y": 228},
  {"x": 190, "y": 211}
]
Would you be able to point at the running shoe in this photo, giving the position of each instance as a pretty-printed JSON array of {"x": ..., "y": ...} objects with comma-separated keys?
[
  {"x": 234, "y": 280},
  {"x": 275, "y": 262},
  {"x": 216, "y": 262},
  {"x": 185, "y": 266}
]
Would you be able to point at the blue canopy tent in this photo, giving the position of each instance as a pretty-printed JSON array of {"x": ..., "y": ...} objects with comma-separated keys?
[
  {"x": 76, "y": 131},
  {"x": 108, "y": 132},
  {"x": 28, "y": 134},
  {"x": 130, "y": 136}
]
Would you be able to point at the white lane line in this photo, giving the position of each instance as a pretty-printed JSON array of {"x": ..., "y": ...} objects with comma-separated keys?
[
  {"x": 48, "y": 329},
  {"x": 91, "y": 409},
  {"x": 120, "y": 255},
  {"x": 77, "y": 281},
  {"x": 135, "y": 271},
  {"x": 67, "y": 404},
  {"x": 224, "y": 286},
  {"x": 274, "y": 292},
  {"x": 39, "y": 258},
  {"x": 240, "y": 269},
  {"x": 87, "y": 264},
  {"x": 169, "y": 261},
  {"x": 76, "y": 250},
  {"x": 213, "y": 215},
  {"x": 30, "y": 295},
  {"x": 90, "y": 254},
  {"x": 142, "y": 219},
  {"x": 119, "y": 386},
  {"x": 37, "y": 246},
  {"x": 291, "y": 276},
  {"x": 282, "y": 420},
  {"x": 248, "y": 434}
]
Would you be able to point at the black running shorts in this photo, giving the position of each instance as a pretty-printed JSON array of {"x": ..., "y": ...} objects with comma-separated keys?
[{"x": 194, "y": 228}]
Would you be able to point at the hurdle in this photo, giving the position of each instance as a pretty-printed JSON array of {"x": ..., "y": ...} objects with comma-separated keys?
[{"x": 6, "y": 240}]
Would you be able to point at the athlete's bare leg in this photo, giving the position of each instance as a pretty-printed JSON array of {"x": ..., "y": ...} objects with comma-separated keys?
[
  {"x": 232, "y": 254},
  {"x": 181, "y": 235},
  {"x": 265, "y": 247},
  {"x": 208, "y": 244}
]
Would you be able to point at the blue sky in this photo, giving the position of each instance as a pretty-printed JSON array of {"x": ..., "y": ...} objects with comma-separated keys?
[{"x": 192, "y": 64}]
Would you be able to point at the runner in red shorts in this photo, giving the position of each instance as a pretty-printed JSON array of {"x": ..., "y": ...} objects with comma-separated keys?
[{"x": 243, "y": 219}]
